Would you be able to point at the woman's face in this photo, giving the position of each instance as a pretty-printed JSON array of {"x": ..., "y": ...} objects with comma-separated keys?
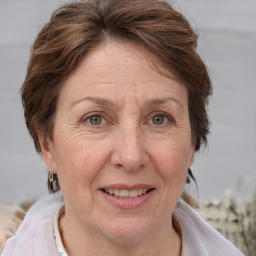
[{"x": 121, "y": 144}]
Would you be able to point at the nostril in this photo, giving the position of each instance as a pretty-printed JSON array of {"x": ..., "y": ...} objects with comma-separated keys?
[{"x": 129, "y": 156}]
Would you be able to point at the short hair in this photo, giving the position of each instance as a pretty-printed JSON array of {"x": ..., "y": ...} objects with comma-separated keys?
[{"x": 76, "y": 28}]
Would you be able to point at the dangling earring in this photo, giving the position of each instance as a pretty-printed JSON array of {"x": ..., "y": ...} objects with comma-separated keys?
[
  {"x": 53, "y": 182},
  {"x": 50, "y": 176}
]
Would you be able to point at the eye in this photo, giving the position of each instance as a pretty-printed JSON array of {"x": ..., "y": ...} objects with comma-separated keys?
[
  {"x": 160, "y": 119},
  {"x": 95, "y": 120}
]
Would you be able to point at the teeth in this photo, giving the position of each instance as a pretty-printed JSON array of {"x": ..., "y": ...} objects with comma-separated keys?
[
  {"x": 116, "y": 192},
  {"x": 127, "y": 193},
  {"x": 124, "y": 193},
  {"x": 133, "y": 193}
]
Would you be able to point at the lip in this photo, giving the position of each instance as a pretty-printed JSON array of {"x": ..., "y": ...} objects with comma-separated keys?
[{"x": 128, "y": 203}]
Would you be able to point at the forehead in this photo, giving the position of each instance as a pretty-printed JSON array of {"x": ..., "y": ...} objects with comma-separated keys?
[{"x": 118, "y": 66}]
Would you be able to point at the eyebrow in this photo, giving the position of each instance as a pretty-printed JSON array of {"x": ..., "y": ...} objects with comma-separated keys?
[
  {"x": 156, "y": 102},
  {"x": 149, "y": 103},
  {"x": 99, "y": 101}
]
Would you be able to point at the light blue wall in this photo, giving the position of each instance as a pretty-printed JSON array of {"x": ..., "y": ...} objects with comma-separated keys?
[{"x": 227, "y": 44}]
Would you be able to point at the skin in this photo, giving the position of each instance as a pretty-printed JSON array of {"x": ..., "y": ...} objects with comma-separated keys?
[{"x": 142, "y": 136}]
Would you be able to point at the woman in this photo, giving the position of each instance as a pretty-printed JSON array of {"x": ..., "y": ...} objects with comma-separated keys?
[{"x": 115, "y": 100}]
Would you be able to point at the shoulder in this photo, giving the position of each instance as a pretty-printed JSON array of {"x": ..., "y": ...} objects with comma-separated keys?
[
  {"x": 201, "y": 238},
  {"x": 36, "y": 231}
]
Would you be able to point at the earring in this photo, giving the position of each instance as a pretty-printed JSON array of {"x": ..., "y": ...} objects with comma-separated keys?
[
  {"x": 50, "y": 176},
  {"x": 53, "y": 182}
]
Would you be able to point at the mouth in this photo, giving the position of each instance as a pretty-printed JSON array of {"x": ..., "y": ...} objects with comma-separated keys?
[
  {"x": 128, "y": 197},
  {"x": 127, "y": 194}
]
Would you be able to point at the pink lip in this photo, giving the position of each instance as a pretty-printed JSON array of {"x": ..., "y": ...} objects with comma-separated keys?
[{"x": 129, "y": 203}]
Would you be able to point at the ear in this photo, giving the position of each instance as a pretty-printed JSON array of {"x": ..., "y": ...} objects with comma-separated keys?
[{"x": 47, "y": 148}]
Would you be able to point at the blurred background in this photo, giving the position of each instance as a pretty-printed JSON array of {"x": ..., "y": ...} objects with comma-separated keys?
[{"x": 227, "y": 43}]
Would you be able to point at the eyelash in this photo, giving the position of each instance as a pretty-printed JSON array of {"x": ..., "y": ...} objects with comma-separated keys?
[{"x": 167, "y": 118}]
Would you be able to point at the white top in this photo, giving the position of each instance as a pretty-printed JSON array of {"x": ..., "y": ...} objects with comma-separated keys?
[
  {"x": 35, "y": 236},
  {"x": 61, "y": 249},
  {"x": 56, "y": 232}
]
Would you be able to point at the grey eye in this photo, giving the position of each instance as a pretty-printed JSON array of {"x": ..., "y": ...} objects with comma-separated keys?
[
  {"x": 158, "y": 120},
  {"x": 95, "y": 120}
]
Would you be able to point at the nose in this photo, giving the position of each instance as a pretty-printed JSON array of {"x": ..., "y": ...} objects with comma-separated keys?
[{"x": 129, "y": 150}]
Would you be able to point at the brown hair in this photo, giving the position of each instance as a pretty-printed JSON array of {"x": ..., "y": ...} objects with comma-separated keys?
[{"x": 76, "y": 28}]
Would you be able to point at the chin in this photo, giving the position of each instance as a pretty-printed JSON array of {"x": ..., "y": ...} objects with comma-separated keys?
[{"x": 127, "y": 231}]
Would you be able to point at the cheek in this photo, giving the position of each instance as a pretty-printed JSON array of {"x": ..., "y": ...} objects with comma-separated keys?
[
  {"x": 172, "y": 161},
  {"x": 79, "y": 161}
]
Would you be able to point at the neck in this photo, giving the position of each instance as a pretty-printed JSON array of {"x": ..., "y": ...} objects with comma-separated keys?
[{"x": 162, "y": 242}]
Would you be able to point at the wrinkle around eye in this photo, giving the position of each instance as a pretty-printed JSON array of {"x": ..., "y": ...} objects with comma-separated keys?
[
  {"x": 171, "y": 132},
  {"x": 79, "y": 131}
]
